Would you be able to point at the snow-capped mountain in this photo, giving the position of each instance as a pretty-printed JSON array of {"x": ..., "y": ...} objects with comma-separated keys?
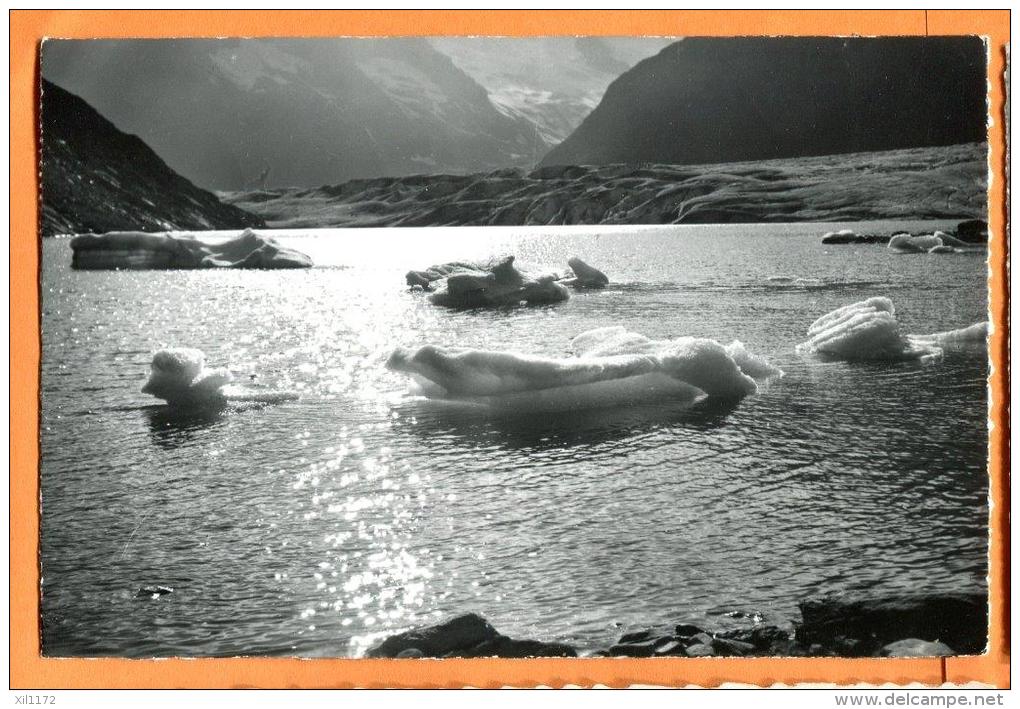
[{"x": 555, "y": 82}]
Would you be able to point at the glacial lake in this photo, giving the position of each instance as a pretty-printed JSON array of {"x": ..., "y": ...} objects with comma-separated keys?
[{"x": 315, "y": 527}]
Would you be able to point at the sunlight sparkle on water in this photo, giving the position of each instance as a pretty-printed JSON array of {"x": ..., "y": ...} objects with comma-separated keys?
[{"x": 360, "y": 501}]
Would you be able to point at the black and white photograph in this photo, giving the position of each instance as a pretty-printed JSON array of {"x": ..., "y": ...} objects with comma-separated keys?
[{"x": 565, "y": 346}]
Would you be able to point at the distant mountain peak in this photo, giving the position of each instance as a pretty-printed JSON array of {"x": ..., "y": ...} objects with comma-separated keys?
[{"x": 552, "y": 81}]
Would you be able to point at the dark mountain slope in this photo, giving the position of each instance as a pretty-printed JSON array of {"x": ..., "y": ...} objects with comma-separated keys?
[
  {"x": 96, "y": 178},
  {"x": 709, "y": 100}
]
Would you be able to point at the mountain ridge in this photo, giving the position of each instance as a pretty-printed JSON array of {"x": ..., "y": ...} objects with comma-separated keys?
[{"x": 96, "y": 178}]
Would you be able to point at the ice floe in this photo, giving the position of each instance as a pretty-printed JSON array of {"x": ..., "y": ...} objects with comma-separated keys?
[
  {"x": 165, "y": 250},
  {"x": 612, "y": 366},
  {"x": 869, "y": 330},
  {"x": 937, "y": 243},
  {"x": 498, "y": 282},
  {"x": 907, "y": 244}
]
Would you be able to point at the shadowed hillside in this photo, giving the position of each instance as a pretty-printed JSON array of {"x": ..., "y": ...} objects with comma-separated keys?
[
  {"x": 921, "y": 183},
  {"x": 96, "y": 178},
  {"x": 716, "y": 99}
]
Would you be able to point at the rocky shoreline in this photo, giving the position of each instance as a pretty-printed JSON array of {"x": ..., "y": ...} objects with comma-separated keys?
[{"x": 914, "y": 626}]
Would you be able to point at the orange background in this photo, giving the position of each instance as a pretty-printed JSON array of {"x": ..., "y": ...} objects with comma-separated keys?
[{"x": 29, "y": 670}]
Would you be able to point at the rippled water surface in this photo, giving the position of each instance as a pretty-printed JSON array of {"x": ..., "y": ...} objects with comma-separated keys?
[{"x": 312, "y": 527}]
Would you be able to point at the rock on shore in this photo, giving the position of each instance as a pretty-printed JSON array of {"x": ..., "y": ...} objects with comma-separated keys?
[
  {"x": 864, "y": 626},
  {"x": 467, "y": 635},
  {"x": 973, "y": 231},
  {"x": 910, "y": 626}
]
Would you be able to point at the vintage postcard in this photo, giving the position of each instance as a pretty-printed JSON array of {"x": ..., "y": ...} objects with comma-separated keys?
[{"x": 651, "y": 357}]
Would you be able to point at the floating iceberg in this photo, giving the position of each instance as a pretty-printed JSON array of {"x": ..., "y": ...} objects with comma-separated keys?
[
  {"x": 937, "y": 243},
  {"x": 612, "y": 367},
  {"x": 497, "y": 282},
  {"x": 142, "y": 250},
  {"x": 971, "y": 335},
  {"x": 950, "y": 240},
  {"x": 792, "y": 282},
  {"x": 869, "y": 330},
  {"x": 426, "y": 278},
  {"x": 585, "y": 276},
  {"x": 843, "y": 236},
  {"x": 908, "y": 244},
  {"x": 178, "y": 376},
  {"x": 504, "y": 285},
  {"x": 905, "y": 243}
]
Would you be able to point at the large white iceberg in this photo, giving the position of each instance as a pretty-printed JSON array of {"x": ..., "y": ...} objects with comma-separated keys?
[
  {"x": 869, "y": 330},
  {"x": 165, "y": 250},
  {"x": 611, "y": 367},
  {"x": 178, "y": 376}
]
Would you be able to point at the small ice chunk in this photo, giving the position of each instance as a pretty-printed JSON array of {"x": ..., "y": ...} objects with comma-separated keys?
[
  {"x": 843, "y": 236},
  {"x": 178, "y": 376},
  {"x": 586, "y": 276},
  {"x": 974, "y": 334},
  {"x": 949, "y": 240}
]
